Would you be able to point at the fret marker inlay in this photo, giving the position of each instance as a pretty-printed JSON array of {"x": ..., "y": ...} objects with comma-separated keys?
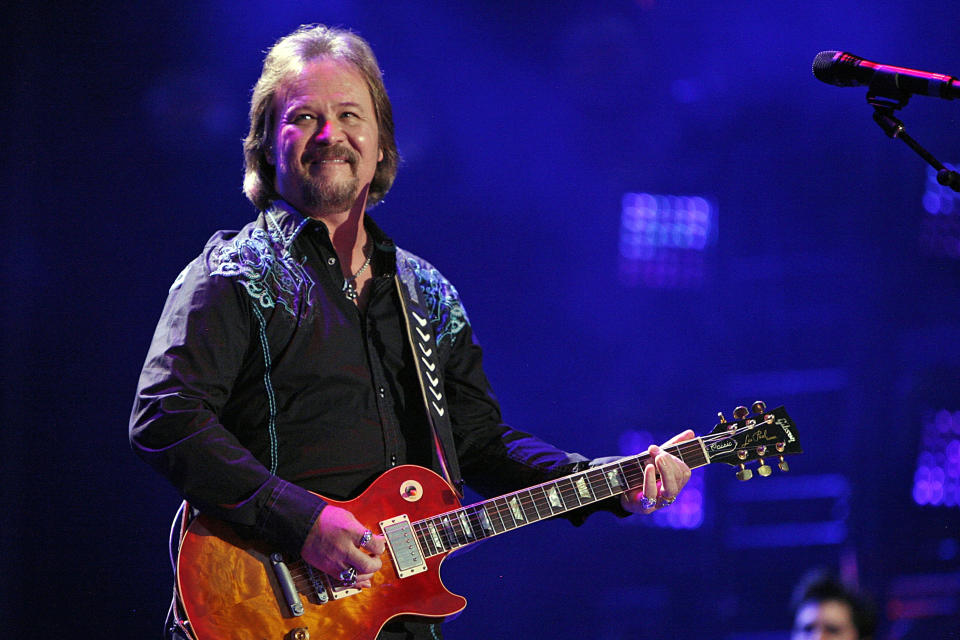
[
  {"x": 515, "y": 509},
  {"x": 554, "y": 498}
]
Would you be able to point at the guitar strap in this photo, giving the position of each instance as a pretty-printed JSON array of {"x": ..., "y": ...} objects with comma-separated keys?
[{"x": 423, "y": 344}]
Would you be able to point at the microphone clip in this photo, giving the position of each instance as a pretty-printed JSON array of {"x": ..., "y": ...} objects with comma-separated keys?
[{"x": 885, "y": 98}]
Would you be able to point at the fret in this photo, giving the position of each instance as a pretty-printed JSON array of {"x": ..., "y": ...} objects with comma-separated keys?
[
  {"x": 465, "y": 524},
  {"x": 483, "y": 521},
  {"x": 614, "y": 477},
  {"x": 443, "y": 533},
  {"x": 632, "y": 469},
  {"x": 584, "y": 491},
  {"x": 516, "y": 511},
  {"x": 554, "y": 499},
  {"x": 450, "y": 526},
  {"x": 423, "y": 537},
  {"x": 503, "y": 508},
  {"x": 598, "y": 482},
  {"x": 541, "y": 501},
  {"x": 472, "y": 525},
  {"x": 693, "y": 453},
  {"x": 493, "y": 514},
  {"x": 568, "y": 494},
  {"x": 435, "y": 535},
  {"x": 528, "y": 506}
]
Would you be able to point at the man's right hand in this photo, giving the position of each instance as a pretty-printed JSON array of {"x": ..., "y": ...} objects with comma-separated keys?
[{"x": 333, "y": 546}]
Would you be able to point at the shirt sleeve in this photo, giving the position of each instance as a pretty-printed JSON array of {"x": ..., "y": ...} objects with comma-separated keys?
[
  {"x": 494, "y": 457},
  {"x": 200, "y": 344}
]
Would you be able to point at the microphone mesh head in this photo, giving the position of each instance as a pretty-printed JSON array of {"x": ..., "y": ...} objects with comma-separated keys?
[{"x": 823, "y": 68}]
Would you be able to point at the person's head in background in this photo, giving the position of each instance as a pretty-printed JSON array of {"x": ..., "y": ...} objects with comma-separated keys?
[{"x": 826, "y": 609}]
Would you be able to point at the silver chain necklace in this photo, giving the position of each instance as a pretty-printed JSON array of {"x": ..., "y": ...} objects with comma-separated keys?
[{"x": 350, "y": 282}]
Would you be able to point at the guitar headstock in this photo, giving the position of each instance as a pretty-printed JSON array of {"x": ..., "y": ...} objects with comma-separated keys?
[{"x": 755, "y": 435}]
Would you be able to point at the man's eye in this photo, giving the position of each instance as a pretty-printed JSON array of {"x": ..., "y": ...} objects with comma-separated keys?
[{"x": 301, "y": 117}]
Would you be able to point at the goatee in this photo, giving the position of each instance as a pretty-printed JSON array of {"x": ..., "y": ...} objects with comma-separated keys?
[{"x": 329, "y": 196}]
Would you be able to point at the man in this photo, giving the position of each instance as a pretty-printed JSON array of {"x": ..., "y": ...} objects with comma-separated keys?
[
  {"x": 283, "y": 363},
  {"x": 825, "y": 609}
]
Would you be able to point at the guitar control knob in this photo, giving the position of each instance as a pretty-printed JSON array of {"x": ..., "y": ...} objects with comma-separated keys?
[
  {"x": 759, "y": 406},
  {"x": 741, "y": 412},
  {"x": 744, "y": 474},
  {"x": 300, "y": 633}
]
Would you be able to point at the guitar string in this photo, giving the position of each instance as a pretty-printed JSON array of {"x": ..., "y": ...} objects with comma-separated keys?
[
  {"x": 527, "y": 500},
  {"x": 632, "y": 469}
]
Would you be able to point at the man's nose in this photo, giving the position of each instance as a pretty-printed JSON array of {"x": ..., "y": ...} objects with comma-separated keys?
[{"x": 328, "y": 133}]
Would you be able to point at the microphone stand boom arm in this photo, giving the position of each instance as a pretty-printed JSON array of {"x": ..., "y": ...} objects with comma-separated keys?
[{"x": 885, "y": 100}]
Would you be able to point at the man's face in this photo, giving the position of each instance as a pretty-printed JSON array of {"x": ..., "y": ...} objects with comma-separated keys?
[
  {"x": 827, "y": 620},
  {"x": 326, "y": 139}
]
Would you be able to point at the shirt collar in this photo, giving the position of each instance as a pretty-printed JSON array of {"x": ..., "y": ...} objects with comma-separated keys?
[{"x": 283, "y": 219}]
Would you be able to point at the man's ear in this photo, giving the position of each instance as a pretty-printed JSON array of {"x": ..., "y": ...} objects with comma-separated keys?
[{"x": 380, "y": 155}]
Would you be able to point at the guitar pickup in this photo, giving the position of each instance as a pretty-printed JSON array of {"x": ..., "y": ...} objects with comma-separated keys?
[{"x": 405, "y": 550}]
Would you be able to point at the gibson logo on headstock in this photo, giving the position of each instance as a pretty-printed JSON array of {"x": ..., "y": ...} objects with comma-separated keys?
[{"x": 784, "y": 424}]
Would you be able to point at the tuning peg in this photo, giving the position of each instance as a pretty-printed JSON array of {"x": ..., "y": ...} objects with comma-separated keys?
[
  {"x": 783, "y": 463},
  {"x": 722, "y": 419},
  {"x": 740, "y": 412},
  {"x": 764, "y": 469},
  {"x": 744, "y": 474},
  {"x": 759, "y": 406}
]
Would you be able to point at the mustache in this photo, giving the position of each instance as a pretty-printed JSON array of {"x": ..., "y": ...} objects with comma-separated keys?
[{"x": 332, "y": 153}]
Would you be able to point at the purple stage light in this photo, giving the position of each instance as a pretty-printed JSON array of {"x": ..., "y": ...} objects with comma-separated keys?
[
  {"x": 663, "y": 239},
  {"x": 936, "y": 481}
]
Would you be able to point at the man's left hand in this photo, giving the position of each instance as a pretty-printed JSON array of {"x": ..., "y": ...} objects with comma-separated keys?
[{"x": 673, "y": 475}]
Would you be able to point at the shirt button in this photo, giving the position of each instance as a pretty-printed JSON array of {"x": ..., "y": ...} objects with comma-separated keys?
[
  {"x": 393, "y": 460},
  {"x": 331, "y": 261},
  {"x": 381, "y": 391}
]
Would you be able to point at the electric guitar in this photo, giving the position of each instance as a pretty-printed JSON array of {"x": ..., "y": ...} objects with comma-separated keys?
[{"x": 232, "y": 588}]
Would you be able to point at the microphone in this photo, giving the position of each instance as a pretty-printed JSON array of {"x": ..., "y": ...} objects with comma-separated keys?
[{"x": 847, "y": 70}]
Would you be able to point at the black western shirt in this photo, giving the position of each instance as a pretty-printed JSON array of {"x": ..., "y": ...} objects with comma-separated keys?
[{"x": 264, "y": 383}]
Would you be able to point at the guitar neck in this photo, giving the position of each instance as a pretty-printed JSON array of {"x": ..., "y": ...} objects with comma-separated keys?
[{"x": 460, "y": 527}]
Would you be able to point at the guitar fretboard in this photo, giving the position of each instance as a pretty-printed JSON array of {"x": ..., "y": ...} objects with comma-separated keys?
[{"x": 460, "y": 527}]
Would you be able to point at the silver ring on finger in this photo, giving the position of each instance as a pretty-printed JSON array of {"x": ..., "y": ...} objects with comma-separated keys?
[
  {"x": 365, "y": 539},
  {"x": 646, "y": 503},
  {"x": 665, "y": 501},
  {"x": 348, "y": 577}
]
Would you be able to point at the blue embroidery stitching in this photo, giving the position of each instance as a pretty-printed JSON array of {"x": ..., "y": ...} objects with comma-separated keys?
[
  {"x": 441, "y": 300},
  {"x": 271, "y": 396},
  {"x": 267, "y": 270}
]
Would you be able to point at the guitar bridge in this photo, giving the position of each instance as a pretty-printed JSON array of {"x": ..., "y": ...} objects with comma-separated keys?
[{"x": 407, "y": 557}]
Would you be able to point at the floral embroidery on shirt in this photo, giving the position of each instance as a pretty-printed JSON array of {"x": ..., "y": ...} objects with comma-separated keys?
[
  {"x": 440, "y": 298},
  {"x": 267, "y": 270}
]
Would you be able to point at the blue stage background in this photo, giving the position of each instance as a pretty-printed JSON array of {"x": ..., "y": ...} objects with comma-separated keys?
[{"x": 828, "y": 282}]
